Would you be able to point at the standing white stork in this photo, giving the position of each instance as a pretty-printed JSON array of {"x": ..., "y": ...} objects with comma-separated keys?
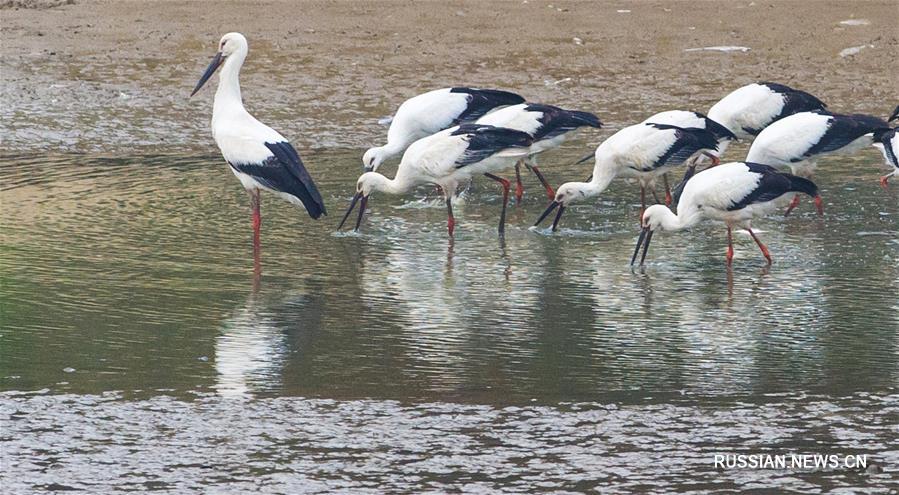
[
  {"x": 734, "y": 193},
  {"x": 259, "y": 156},
  {"x": 547, "y": 125},
  {"x": 748, "y": 110},
  {"x": 446, "y": 159},
  {"x": 433, "y": 112},
  {"x": 644, "y": 151},
  {"x": 887, "y": 141},
  {"x": 799, "y": 140}
]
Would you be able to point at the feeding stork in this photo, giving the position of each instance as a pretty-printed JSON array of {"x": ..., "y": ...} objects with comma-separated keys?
[
  {"x": 547, "y": 125},
  {"x": 446, "y": 159},
  {"x": 734, "y": 193},
  {"x": 261, "y": 158},
  {"x": 799, "y": 140},
  {"x": 643, "y": 151},
  {"x": 887, "y": 141},
  {"x": 748, "y": 110},
  {"x": 433, "y": 112}
]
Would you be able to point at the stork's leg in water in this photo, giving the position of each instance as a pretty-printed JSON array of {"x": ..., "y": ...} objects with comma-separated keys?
[
  {"x": 549, "y": 189},
  {"x": 506, "y": 185},
  {"x": 450, "y": 220},
  {"x": 668, "y": 198},
  {"x": 519, "y": 187},
  {"x": 257, "y": 218},
  {"x": 793, "y": 205},
  {"x": 730, "y": 246},
  {"x": 761, "y": 246}
]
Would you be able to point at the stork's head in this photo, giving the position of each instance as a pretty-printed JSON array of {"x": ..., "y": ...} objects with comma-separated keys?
[
  {"x": 367, "y": 183},
  {"x": 373, "y": 158},
  {"x": 572, "y": 192},
  {"x": 654, "y": 217},
  {"x": 230, "y": 45}
]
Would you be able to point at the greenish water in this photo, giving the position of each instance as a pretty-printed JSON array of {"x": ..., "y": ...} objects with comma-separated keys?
[{"x": 138, "y": 349}]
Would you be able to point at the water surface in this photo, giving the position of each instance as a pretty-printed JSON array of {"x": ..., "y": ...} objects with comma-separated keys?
[{"x": 139, "y": 350}]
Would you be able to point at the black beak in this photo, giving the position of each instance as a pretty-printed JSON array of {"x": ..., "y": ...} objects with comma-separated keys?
[
  {"x": 552, "y": 206},
  {"x": 645, "y": 235},
  {"x": 216, "y": 62},
  {"x": 361, "y": 212},
  {"x": 350, "y": 210}
]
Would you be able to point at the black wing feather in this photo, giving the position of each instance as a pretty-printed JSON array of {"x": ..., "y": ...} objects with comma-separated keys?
[
  {"x": 894, "y": 115},
  {"x": 795, "y": 101},
  {"x": 486, "y": 140},
  {"x": 556, "y": 121},
  {"x": 842, "y": 130},
  {"x": 284, "y": 172},
  {"x": 885, "y": 137},
  {"x": 717, "y": 129},
  {"x": 688, "y": 142},
  {"x": 481, "y": 101},
  {"x": 772, "y": 185}
]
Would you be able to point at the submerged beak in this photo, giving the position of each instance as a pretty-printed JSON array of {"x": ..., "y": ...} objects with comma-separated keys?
[
  {"x": 350, "y": 209},
  {"x": 552, "y": 206},
  {"x": 645, "y": 235},
  {"x": 216, "y": 62}
]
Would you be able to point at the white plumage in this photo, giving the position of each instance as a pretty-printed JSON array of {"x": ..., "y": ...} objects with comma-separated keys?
[
  {"x": 734, "y": 193},
  {"x": 799, "y": 140},
  {"x": 642, "y": 151},
  {"x": 446, "y": 159},
  {"x": 887, "y": 141},
  {"x": 685, "y": 118},
  {"x": 546, "y": 124},
  {"x": 432, "y": 112},
  {"x": 751, "y": 108}
]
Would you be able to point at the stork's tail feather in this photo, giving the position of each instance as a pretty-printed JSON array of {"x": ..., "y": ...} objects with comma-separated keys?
[
  {"x": 802, "y": 185},
  {"x": 719, "y": 130},
  {"x": 579, "y": 119}
]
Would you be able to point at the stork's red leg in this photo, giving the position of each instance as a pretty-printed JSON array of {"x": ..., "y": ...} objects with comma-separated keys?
[
  {"x": 668, "y": 198},
  {"x": 730, "y": 246},
  {"x": 819, "y": 205},
  {"x": 506, "y": 185},
  {"x": 549, "y": 189},
  {"x": 761, "y": 246},
  {"x": 519, "y": 187},
  {"x": 257, "y": 217},
  {"x": 793, "y": 204},
  {"x": 450, "y": 221},
  {"x": 884, "y": 179}
]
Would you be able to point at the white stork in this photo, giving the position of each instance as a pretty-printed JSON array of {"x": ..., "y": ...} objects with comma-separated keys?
[
  {"x": 433, "y": 112},
  {"x": 734, "y": 193},
  {"x": 643, "y": 151},
  {"x": 447, "y": 159},
  {"x": 887, "y": 141},
  {"x": 259, "y": 156},
  {"x": 799, "y": 140},
  {"x": 748, "y": 110},
  {"x": 547, "y": 125}
]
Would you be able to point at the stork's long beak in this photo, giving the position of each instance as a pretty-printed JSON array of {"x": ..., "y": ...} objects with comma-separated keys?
[
  {"x": 645, "y": 235},
  {"x": 216, "y": 62},
  {"x": 350, "y": 209},
  {"x": 552, "y": 206}
]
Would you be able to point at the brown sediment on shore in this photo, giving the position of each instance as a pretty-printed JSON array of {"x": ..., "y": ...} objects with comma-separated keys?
[{"x": 111, "y": 75}]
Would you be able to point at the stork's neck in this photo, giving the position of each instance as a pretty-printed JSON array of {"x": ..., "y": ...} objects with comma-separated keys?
[
  {"x": 603, "y": 173},
  {"x": 398, "y": 185},
  {"x": 686, "y": 217},
  {"x": 227, "y": 96}
]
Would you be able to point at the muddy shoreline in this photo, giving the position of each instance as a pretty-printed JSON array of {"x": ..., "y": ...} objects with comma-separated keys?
[{"x": 113, "y": 76}]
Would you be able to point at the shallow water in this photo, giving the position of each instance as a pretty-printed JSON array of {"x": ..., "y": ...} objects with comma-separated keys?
[{"x": 394, "y": 358}]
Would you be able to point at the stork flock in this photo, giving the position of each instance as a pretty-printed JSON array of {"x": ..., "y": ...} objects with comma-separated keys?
[{"x": 449, "y": 136}]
